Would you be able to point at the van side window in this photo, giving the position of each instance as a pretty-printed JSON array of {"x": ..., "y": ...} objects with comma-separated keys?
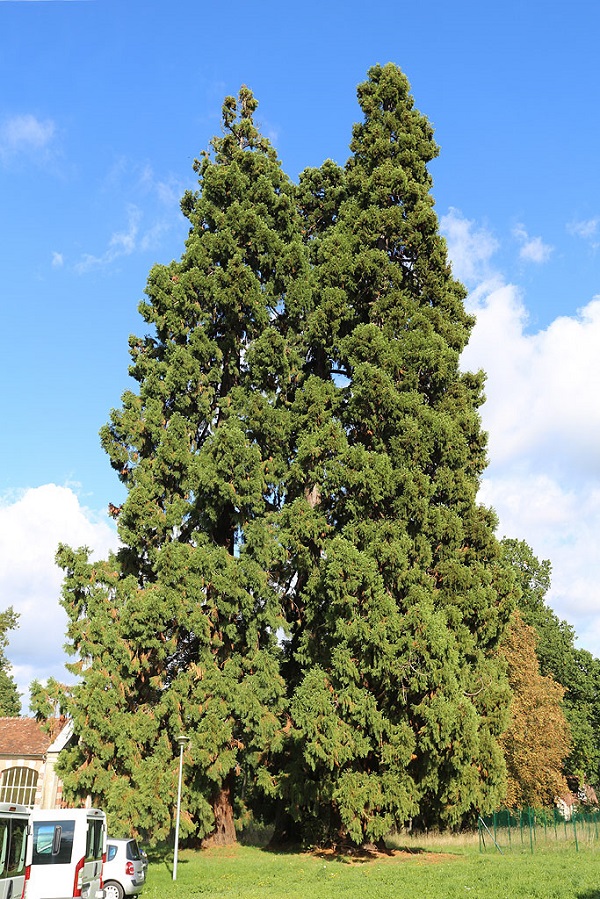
[
  {"x": 53, "y": 842},
  {"x": 94, "y": 841},
  {"x": 17, "y": 846},
  {"x": 4, "y": 833}
]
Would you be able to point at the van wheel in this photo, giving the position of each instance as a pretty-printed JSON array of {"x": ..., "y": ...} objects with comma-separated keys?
[{"x": 113, "y": 890}]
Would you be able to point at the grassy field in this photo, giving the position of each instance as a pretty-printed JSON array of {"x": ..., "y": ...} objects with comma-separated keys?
[{"x": 435, "y": 871}]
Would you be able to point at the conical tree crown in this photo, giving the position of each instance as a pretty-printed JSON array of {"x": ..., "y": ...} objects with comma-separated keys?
[
  {"x": 403, "y": 600},
  {"x": 201, "y": 448}
]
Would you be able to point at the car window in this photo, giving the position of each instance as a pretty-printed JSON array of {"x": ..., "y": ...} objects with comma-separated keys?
[
  {"x": 133, "y": 852},
  {"x": 112, "y": 851}
]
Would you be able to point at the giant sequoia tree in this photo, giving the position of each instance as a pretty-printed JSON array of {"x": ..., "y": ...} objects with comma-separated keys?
[
  {"x": 399, "y": 597},
  {"x": 178, "y": 631},
  {"x": 307, "y": 585}
]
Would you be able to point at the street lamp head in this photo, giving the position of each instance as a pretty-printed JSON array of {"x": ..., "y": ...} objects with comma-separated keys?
[{"x": 182, "y": 740}]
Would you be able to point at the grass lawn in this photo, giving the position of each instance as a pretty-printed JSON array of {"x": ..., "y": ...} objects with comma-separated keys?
[{"x": 435, "y": 872}]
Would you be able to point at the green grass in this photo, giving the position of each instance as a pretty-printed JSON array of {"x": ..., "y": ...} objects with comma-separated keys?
[{"x": 437, "y": 871}]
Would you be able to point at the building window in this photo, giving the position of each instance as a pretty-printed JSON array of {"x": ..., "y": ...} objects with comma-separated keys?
[{"x": 18, "y": 785}]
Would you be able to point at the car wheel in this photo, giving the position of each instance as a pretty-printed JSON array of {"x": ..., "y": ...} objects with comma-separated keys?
[{"x": 113, "y": 890}]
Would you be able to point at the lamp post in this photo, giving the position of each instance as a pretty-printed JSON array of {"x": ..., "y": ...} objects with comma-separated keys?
[{"x": 182, "y": 740}]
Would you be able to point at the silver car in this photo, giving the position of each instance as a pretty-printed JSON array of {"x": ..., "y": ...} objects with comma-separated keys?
[{"x": 124, "y": 870}]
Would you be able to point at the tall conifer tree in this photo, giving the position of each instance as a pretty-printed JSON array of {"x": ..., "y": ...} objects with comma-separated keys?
[
  {"x": 398, "y": 696},
  {"x": 302, "y": 457},
  {"x": 178, "y": 630}
]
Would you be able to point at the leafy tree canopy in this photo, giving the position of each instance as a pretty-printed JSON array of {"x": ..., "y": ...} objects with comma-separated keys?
[
  {"x": 575, "y": 669},
  {"x": 10, "y": 699},
  {"x": 537, "y": 739}
]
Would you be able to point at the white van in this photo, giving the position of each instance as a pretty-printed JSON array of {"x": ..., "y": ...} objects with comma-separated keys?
[
  {"x": 13, "y": 841},
  {"x": 65, "y": 852}
]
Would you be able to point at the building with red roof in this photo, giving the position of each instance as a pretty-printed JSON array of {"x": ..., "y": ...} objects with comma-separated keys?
[{"x": 28, "y": 756}]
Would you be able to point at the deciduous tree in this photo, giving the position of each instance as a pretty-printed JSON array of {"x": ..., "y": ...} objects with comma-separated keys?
[
  {"x": 537, "y": 739},
  {"x": 575, "y": 669}
]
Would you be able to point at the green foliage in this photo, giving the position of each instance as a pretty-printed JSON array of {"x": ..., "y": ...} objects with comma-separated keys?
[
  {"x": 178, "y": 630},
  {"x": 396, "y": 594},
  {"x": 306, "y": 586},
  {"x": 10, "y": 699},
  {"x": 575, "y": 669},
  {"x": 48, "y": 700},
  {"x": 537, "y": 739}
]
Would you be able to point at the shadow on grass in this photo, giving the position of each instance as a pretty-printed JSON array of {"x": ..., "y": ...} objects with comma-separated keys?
[
  {"x": 589, "y": 894},
  {"x": 161, "y": 853},
  {"x": 348, "y": 855}
]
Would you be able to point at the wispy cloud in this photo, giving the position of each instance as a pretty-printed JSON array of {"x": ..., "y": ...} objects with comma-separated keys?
[
  {"x": 168, "y": 191},
  {"x": 57, "y": 260},
  {"x": 587, "y": 229},
  {"x": 533, "y": 249},
  {"x": 121, "y": 243},
  {"x": 152, "y": 213},
  {"x": 24, "y": 135},
  {"x": 470, "y": 247}
]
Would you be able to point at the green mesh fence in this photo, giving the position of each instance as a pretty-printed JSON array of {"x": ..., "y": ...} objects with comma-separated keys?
[{"x": 529, "y": 829}]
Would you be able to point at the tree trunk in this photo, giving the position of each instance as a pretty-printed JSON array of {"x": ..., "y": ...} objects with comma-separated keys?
[
  {"x": 287, "y": 833},
  {"x": 224, "y": 832}
]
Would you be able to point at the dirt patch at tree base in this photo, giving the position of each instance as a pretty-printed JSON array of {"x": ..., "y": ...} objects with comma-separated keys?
[{"x": 362, "y": 855}]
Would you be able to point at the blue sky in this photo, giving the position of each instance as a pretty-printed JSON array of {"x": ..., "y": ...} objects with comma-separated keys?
[{"x": 104, "y": 106}]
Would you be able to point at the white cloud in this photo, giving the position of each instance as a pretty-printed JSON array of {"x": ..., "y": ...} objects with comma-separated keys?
[
  {"x": 543, "y": 419},
  {"x": 25, "y": 134},
  {"x": 32, "y": 525},
  {"x": 533, "y": 249},
  {"x": 560, "y": 522},
  {"x": 586, "y": 228},
  {"x": 542, "y": 388},
  {"x": 57, "y": 260},
  {"x": 470, "y": 249},
  {"x": 168, "y": 190}
]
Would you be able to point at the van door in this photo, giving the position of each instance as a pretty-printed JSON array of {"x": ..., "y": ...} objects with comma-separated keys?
[
  {"x": 95, "y": 845},
  {"x": 65, "y": 854},
  {"x": 51, "y": 857},
  {"x": 13, "y": 842}
]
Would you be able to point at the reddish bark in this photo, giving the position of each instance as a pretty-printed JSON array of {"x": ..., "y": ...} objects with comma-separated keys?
[{"x": 224, "y": 832}]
